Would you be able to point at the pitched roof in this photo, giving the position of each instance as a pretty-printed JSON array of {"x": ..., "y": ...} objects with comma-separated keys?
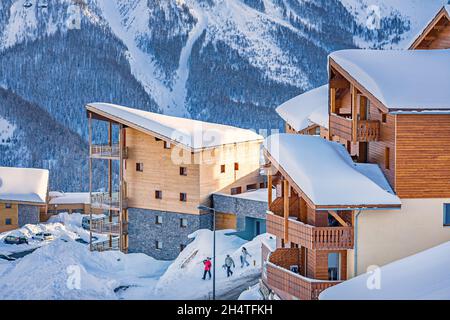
[
  {"x": 192, "y": 134},
  {"x": 326, "y": 174},
  {"x": 306, "y": 109},
  {"x": 23, "y": 185},
  {"x": 414, "y": 80}
]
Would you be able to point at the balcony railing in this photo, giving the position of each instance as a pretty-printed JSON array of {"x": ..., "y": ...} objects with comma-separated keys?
[
  {"x": 311, "y": 237},
  {"x": 367, "y": 130},
  {"x": 104, "y": 201},
  {"x": 106, "y": 245},
  {"x": 107, "y": 152},
  {"x": 105, "y": 227}
]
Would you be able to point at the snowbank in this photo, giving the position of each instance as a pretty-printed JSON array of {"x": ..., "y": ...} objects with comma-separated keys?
[
  {"x": 251, "y": 293},
  {"x": 425, "y": 275}
]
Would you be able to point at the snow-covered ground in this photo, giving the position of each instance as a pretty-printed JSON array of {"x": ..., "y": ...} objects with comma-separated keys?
[
  {"x": 251, "y": 293},
  {"x": 6, "y": 131},
  {"x": 66, "y": 269}
]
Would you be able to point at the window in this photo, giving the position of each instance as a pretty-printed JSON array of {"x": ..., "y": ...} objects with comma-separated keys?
[
  {"x": 447, "y": 214},
  {"x": 8, "y": 205},
  {"x": 8, "y": 221},
  {"x": 183, "y": 171},
  {"x": 334, "y": 264},
  {"x": 166, "y": 145},
  {"x": 383, "y": 117},
  {"x": 236, "y": 166},
  {"x": 158, "y": 194},
  {"x": 139, "y": 167},
  {"x": 159, "y": 220},
  {"x": 182, "y": 246},
  {"x": 222, "y": 168},
  {"x": 386, "y": 158},
  {"x": 183, "y": 222},
  {"x": 159, "y": 245},
  {"x": 252, "y": 186},
  {"x": 183, "y": 197},
  {"x": 236, "y": 190}
]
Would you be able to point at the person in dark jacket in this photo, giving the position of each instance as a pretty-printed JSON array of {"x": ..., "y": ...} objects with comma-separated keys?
[{"x": 207, "y": 268}]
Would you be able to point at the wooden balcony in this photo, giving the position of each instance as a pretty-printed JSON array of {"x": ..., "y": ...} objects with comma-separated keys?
[
  {"x": 104, "y": 201},
  {"x": 311, "y": 237},
  {"x": 366, "y": 131},
  {"x": 107, "y": 152},
  {"x": 110, "y": 228}
]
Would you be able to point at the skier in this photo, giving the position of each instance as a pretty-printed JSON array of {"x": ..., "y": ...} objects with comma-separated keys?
[
  {"x": 244, "y": 255},
  {"x": 229, "y": 262},
  {"x": 207, "y": 268}
]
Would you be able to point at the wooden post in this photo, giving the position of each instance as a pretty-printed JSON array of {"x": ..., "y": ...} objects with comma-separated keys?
[
  {"x": 269, "y": 189},
  {"x": 333, "y": 100},
  {"x": 286, "y": 209},
  {"x": 121, "y": 231},
  {"x": 110, "y": 178},
  {"x": 90, "y": 178},
  {"x": 354, "y": 112}
]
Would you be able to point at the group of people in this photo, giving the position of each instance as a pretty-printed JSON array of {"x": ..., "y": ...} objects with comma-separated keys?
[{"x": 229, "y": 263}]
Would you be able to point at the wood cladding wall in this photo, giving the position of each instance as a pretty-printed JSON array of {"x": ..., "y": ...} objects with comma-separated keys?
[
  {"x": 442, "y": 40},
  {"x": 9, "y": 213},
  {"x": 423, "y": 156}
]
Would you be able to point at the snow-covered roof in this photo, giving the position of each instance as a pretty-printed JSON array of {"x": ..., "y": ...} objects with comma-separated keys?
[
  {"x": 306, "y": 109},
  {"x": 401, "y": 79},
  {"x": 425, "y": 275},
  {"x": 190, "y": 133},
  {"x": 23, "y": 185},
  {"x": 445, "y": 10},
  {"x": 326, "y": 174},
  {"x": 60, "y": 198}
]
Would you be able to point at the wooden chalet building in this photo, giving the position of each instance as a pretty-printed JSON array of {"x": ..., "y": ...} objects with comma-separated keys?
[
  {"x": 307, "y": 113},
  {"x": 23, "y": 196},
  {"x": 168, "y": 166},
  {"x": 390, "y": 112}
]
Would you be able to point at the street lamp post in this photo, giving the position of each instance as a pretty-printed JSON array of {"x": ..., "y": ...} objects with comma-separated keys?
[{"x": 205, "y": 208}]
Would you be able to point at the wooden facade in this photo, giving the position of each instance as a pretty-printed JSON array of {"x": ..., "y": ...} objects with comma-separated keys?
[
  {"x": 436, "y": 35},
  {"x": 9, "y": 216}
]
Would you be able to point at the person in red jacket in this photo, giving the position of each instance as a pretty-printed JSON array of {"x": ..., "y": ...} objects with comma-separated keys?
[{"x": 207, "y": 264}]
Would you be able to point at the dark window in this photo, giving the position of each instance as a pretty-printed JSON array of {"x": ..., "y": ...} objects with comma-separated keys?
[
  {"x": 158, "y": 194},
  {"x": 157, "y": 139},
  {"x": 140, "y": 167},
  {"x": 166, "y": 145},
  {"x": 159, "y": 245},
  {"x": 387, "y": 158},
  {"x": 182, "y": 246},
  {"x": 383, "y": 117},
  {"x": 236, "y": 190},
  {"x": 183, "y": 223},
  {"x": 8, "y": 221},
  {"x": 8, "y": 205},
  {"x": 253, "y": 186},
  {"x": 183, "y": 197},
  {"x": 236, "y": 166},
  {"x": 183, "y": 171},
  {"x": 222, "y": 168},
  {"x": 158, "y": 220},
  {"x": 447, "y": 214}
]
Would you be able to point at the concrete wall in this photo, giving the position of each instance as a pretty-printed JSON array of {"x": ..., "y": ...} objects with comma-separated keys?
[
  {"x": 28, "y": 215},
  {"x": 388, "y": 235},
  {"x": 143, "y": 231}
]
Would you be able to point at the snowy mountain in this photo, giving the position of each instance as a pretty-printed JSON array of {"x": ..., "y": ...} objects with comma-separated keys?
[{"x": 214, "y": 60}]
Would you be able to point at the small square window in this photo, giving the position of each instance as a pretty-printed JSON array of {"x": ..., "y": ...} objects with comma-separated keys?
[
  {"x": 236, "y": 190},
  {"x": 8, "y": 221},
  {"x": 166, "y": 145},
  {"x": 159, "y": 245},
  {"x": 158, "y": 194},
  {"x": 139, "y": 167},
  {"x": 183, "y": 197},
  {"x": 222, "y": 168},
  {"x": 158, "y": 220},
  {"x": 236, "y": 166},
  {"x": 253, "y": 186},
  {"x": 447, "y": 214},
  {"x": 183, "y": 171},
  {"x": 8, "y": 205},
  {"x": 183, "y": 223}
]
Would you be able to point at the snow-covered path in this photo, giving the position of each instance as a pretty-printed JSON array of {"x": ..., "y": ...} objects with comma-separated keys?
[{"x": 179, "y": 92}]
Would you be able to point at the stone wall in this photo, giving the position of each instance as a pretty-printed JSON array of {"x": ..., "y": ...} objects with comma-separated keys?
[
  {"x": 144, "y": 232},
  {"x": 28, "y": 215},
  {"x": 239, "y": 206}
]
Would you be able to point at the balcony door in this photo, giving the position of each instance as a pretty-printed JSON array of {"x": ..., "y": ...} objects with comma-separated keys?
[{"x": 334, "y": 266}]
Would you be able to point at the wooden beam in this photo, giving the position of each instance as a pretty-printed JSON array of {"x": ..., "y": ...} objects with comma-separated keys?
[
  {"x": 354, "y": 112},
  {"x": 269, "y": 189},
  {"x": 333, "y": 100},
  {"x": 286, "y": 209},
  {"x": 338, "y": 218}
]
